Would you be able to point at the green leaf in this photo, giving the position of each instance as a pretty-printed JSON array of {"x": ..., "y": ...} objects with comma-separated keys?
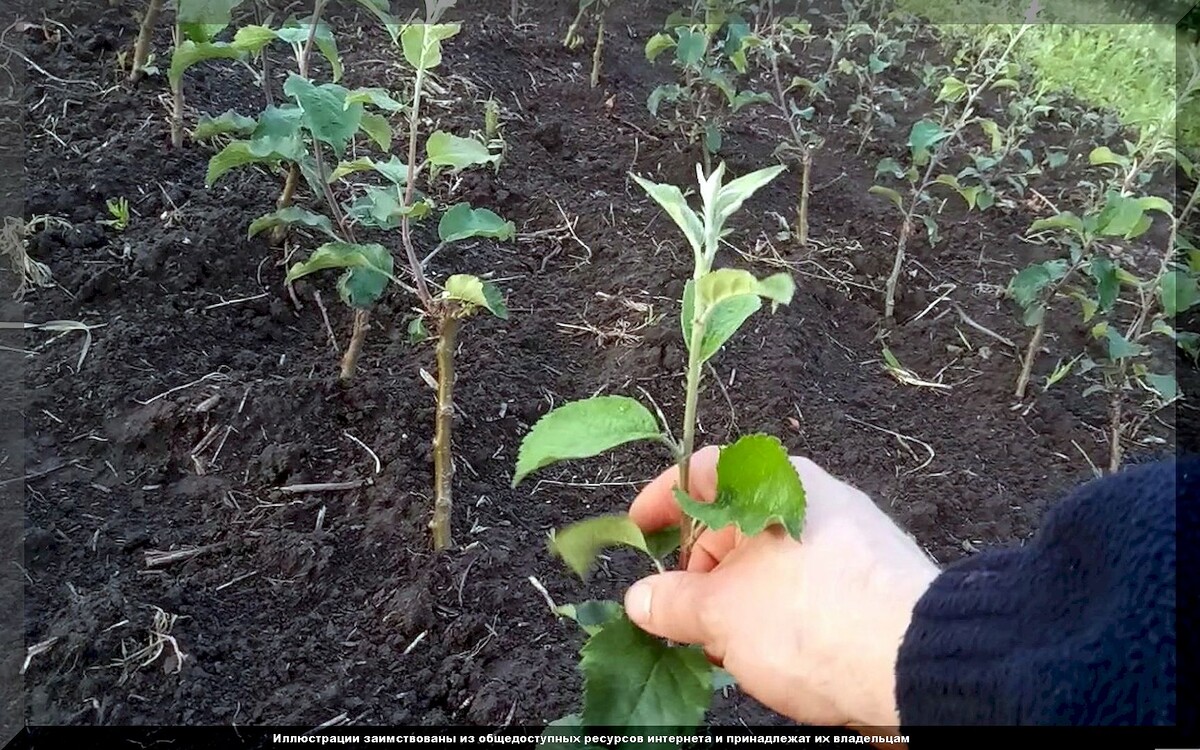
[
  {"x": 1164, "y": 385},
  {"x": 1104, "y": 272},
  {"x": 672, "y": 201},
  {"x": 724, "y": 320},
  {"x": 422, "y": 43},
  {"x": 327, "y": 46},
  {"x": 252, "y": 39},
  {"x": 632, "y": 679},
  {"x": 1102, "y": 155},
  {"x": 230, "y": 122},
  {"x": 235, "y": 154},
  {"x": 189, "y": 53},
  {"x": 580, "y": 543},
  {"x": 376, "y": 97},
  {"x": 582, "y": 429},
  {"x": 368, "y": 270},
  {"x": 446, "y": 150},
  {"x": 1027, "y": 285},
  {"x": 208, "y": 12},
  {"x": 591, "y": 615},
  {"x": 922, "y": 138},
  {"x": 953, "y": 90},
  {"x": 324, "y": 111},
  {"x": 712, "y": 137},
  {"x": 887, "y": 192},
  {"x": 377, "y": 129},
  {"x": 736, "y": 192},
  {"x": 691, "y": 46},
  {"x": 716, "y": 287},
  {"x": 361, "y": 164},
  {"x": 392, "y": 169},
  {"x": 757, "y": 487},
  {"x": 293, "y": 215},
  {"x": 1120, "y": 347},
  {"x": 383, "y": 207},
  {"x": 669, "y": 91},
  {"x": 662, "y": 543},
  {"x": 417, "y": 331},
  {"x": 746, "y": 98},
  {"x": 1154, "y": 203},
  {"x": 1177, "y": 292},
  {"x": 1065, "y": 220},
  {"x": 201, "y": 33},
  {"x": 1122, "y": 216},
  {"x": 278, "y": 133},
  {"x": 475, "y": 291},
  {"x": 462, "y": 222},
  {"x": 658, "y": 44},
  {"x": 891, "y": 167}
]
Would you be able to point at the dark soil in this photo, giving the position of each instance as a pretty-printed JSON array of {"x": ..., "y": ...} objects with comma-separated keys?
[{"x": 187, "y": 415}]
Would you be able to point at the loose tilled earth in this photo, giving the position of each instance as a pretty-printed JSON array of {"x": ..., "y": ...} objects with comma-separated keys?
[{"x": 207, "y": 386}]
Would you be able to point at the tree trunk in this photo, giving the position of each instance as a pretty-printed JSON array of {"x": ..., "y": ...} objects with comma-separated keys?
[
  {"x": 362, "y": 322},
  {"x": 141, "y": 50},
  {"x": 443, "y": 459}
]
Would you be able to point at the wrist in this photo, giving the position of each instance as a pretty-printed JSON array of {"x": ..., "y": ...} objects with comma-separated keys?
[{"x": 899, "y": 593}]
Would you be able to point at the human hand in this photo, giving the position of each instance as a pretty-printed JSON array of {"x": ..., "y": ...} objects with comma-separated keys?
[{"x": 811, "y": 629}]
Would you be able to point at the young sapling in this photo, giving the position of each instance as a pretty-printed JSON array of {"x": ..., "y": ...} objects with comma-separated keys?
[{"x": 632, "y": 678}]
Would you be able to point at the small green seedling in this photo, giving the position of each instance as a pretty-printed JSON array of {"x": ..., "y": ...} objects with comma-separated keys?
[
  {"x": 630, "y": 677},
  {"x": 118, "y": 209},
  {"x": 929, "y": 142},
  {"x": 710, "y": 53}
]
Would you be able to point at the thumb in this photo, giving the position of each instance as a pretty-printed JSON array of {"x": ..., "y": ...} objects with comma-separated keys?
[{"x": 677, "y": 606}]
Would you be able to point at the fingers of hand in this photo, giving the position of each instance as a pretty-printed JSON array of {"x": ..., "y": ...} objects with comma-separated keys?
[
  {"x": 678, "y": 606},
  {"x": 711, "y": 548},
  {"x": 655, "y": 507}
]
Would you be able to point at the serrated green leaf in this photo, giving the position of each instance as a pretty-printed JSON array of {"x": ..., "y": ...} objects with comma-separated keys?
[
  {"x": 376, "y": 97},
  {"x": 716, "y": 287},
  {"x": 446, "y": 150},
  {"x": 463, "y": 222},
  {"x": 757, "y": 487},
  {"x": 422, "y": 43},
  {"x": 475, "y": 291},
  {"x": 690, "y": 48},
  {"x": 189, "y": 53},
  {"x": 378, "y": 129},
  {"x": 1122, "y": 216},
  {"x": 580, "y": 543},
  {"x": 1177, "y": 292},
  {"x": 582, "y": 429},
  {"x": 887, "y": 192},
  {"x": 658, "y": 44},
  {"x": 224, "y": 124},
  {"x": 632, "y": 679},
  {"x": 383, "y": 207},
  {"x": 324, "y": 111},
  {"x": 591, "y": 615},
  {"x": 672, "y": 201},
  {"x": 290, "y": 216},
  {"x": 1102, "y": 155},
  {"x": 368, "y": 269}
]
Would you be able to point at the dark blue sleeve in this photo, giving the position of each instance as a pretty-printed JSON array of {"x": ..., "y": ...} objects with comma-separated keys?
[{"x": 1075, "y": 627}]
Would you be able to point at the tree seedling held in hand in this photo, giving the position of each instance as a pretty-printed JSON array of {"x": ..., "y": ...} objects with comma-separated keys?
[
  {"x": 632, "y": 678},
  {"x": 709, "y": 53},
  {"x": 929, "y": 143}
]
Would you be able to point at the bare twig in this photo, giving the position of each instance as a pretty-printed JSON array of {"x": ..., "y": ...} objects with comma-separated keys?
[{"x": 299, "y": 489}]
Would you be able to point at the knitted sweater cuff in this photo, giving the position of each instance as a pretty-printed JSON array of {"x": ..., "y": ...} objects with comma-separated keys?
[{"x": 953, "y": 660}]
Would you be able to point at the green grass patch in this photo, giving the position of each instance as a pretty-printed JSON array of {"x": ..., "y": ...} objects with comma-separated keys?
[{"x": 1122, "y": 59}]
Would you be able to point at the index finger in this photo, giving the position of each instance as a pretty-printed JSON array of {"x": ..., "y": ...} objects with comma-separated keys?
[{"x": 655, "y": 508}]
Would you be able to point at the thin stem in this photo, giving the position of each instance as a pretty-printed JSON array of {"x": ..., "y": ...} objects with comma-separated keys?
[
  {"x": 177, "y": 102},
  {"x": 1035, "y": 343},
  {"x": 802, "y": 218},
  {"x": 443, "y": 460},
  {"x": 598, "y": 54},
  {"x": 1114, "y": 446},
  {"x": 689, "y": 530},
  {"x": 414, "y": 263},
  {"x": 362, "y": 322},
  {"x": 302, "y": 58},
  {"x": 141, "y": 50},
  {"x": 330, "y": 198}
]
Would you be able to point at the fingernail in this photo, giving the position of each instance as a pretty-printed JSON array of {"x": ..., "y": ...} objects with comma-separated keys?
[{"x": 637, "y": 602}]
